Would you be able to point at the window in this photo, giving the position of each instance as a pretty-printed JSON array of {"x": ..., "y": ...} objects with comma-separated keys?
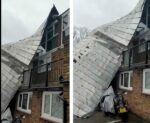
[
  {"x": 149, "y": 45},
  {"x": 126, "y": 80},
  {"x": 126, "y": 58},
  {"x": 148, "y": 16},
  {"x": 24, "y": 102},
  {"x": 142, "y": 46},
  {"x": 52, "y": 36},
  {"x": 52, "y": 107},
  {"x": 65, "y": 24},
  {"x": 146, "y": 81}
]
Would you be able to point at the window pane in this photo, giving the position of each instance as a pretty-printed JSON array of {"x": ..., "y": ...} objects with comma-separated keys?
[
  {"x": 147, "y": 80},
  {"x": 148, "y": 16},
  {"x": 49, "y": 34},
  {"x": 65, "y": 21},
  {"x": 148, "y": 45},
  {"x": 126, "y": 79},
  {"x": 20, "y": 100},
  {"x": 25, "y": 99},
  {"x": 56, "y": 28},
  {"x": 51, "y": 44},
  {"x": 121, "y": 79},
  {"x": 57, "y": 107},
  {"x": 126, "y": 58},
  {"x": 142, "y": 46},
  {"x": 30, "y": 98},
  {"x": 47, "y": 104},
  {"x": 66, "y": 34},
  {"x": 131, "y": 79}
]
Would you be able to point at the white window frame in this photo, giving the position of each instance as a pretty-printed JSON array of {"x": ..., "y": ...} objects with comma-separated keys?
[
  {"x": 63, "y": 29},
  {"x": 28, "y": 111},
  {"x": 129, "y": 81},
  {"x": 48, "y": 116},
  {"x": 53, "y": 29},
  {"x": 145, "y": 91},
  {"x": 54, "y": 35}
]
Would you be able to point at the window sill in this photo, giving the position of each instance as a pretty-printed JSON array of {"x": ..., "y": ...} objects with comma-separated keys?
[
  {"x": 24, "y": 111},
  {"x": 126, "y": 88},
  {"x": 55, "y": 49},
  {"x": 146, "y": 92},
  {"x": 49, "y": 118}
]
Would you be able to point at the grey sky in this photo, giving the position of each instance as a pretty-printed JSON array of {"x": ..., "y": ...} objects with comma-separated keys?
[
  {"x": 21, "y": 18},
  {"x": 93, "y": 13}
]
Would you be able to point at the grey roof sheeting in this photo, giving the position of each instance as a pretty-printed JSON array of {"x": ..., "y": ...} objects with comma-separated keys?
[
  {"x": 15, "y": 58},
  {"x": 98, "y": 57}
]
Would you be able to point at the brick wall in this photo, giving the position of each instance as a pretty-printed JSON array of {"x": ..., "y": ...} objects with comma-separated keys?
[
  {"x": 66, "y": 96},
  {"x": 138, "y": 102},
  {"x": 36, "y": 107}
]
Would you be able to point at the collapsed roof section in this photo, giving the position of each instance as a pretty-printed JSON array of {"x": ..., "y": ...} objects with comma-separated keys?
[
  {"x": 123, "y": 29},
  {"x": 98, "y": 57},
  {"x": 16, "y": 57}
]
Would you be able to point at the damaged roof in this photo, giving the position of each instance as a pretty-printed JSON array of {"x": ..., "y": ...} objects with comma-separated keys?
[
  {"x": 98, "y": 57},
  {"x": 16, "y": 57},
  {"x": 123, "y": 29}
]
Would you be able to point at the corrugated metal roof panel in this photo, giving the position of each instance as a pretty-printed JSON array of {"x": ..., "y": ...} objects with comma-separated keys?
[
  {"x": 98, "y": 58},
  {"x": 15, "y": 58}
]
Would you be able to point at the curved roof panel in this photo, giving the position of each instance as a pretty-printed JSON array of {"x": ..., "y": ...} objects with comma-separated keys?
[
  {"x": 98, "y": 57},
  {"x": 15, "y": 58},
  {"x": 123, "y": 29}
]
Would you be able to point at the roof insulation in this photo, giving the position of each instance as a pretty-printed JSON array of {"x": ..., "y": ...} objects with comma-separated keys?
[{"x": 98, "y": 57}]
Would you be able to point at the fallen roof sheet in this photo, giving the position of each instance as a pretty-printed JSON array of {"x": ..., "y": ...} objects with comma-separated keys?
[
  {"x": 15, "y": 58},
  {"x": 98, "y": 57}
]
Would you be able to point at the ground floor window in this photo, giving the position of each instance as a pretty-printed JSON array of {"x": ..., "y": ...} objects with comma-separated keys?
[
  {"x": 126, "y": 80},
  {"x": 52, "y": 107},
  {"x": 24, "y": 102},
  {"x": 146, "y": 81}
]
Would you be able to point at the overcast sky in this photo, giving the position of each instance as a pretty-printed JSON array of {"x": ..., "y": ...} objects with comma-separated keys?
[
  {"x": 21, "y": 18},
  {"x": 93, "y": 13}
]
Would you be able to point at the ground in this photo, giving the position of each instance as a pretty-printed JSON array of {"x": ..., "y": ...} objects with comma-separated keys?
[{"x": 98, "y": 117}]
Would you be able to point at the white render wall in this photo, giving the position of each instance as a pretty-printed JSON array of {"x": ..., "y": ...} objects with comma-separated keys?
[{"x": 98, "y": 57}]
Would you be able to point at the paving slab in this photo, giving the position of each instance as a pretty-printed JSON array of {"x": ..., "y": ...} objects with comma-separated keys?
[{"x": 99, "y": 117}]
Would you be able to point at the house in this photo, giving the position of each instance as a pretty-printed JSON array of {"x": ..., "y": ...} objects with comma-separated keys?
[
  {"x": 44, "y": 92},
  {"x": 134, "y": 73}
]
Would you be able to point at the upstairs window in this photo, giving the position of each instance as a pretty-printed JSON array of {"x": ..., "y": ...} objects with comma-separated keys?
[
  {"x": 24, "y": 102},
  {"x": 65, "y": 25},
  {"x": 51, "y": 36},
  {"x": 148, "y": 16},
  {"x": 126, "y": 80},
  {"x": 146, "y": 81},
  {"x": 142, "y": 46},
  {"x": 126, "y": 58}
]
